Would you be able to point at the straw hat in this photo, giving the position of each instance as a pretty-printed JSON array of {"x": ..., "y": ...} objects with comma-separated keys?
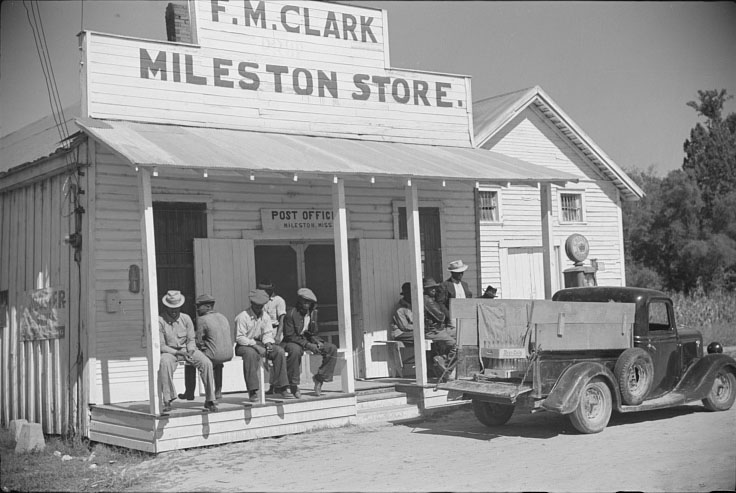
[
  {"x": 173, "y": 299},
  {"x": 457, "y": 266}
]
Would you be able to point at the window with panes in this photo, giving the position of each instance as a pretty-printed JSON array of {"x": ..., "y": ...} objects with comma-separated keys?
[
  {"x": 488, "y": 206},
  {"x": 571, "y": 207}
]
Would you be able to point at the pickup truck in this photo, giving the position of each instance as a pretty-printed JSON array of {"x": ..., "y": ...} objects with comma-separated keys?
[{"x": 586, "y": 353}]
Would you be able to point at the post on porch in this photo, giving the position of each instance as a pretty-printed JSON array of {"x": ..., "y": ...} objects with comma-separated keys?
[
  {"x": 415, "y": 268},
  {"x": 545, "y": 198},
  {"x": 150, "y": 283},
  {"x": 344, "y": 317}
]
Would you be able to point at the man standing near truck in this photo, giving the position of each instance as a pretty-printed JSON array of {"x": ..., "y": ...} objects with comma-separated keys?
[{"x": 454, "y": 286}]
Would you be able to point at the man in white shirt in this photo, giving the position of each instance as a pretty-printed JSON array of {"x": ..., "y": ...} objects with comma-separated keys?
[
  {"x": 454, "y": 287},
  {"x": 254, "y": 340}
]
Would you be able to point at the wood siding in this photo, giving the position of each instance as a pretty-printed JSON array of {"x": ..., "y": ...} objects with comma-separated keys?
[
  {"x": 43, "y": 381},
  {"x": 531, "y": 138},
  {"x": 328, "y": 86}
]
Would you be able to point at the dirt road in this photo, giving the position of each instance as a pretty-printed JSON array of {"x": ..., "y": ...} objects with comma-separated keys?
[{"x": 680, "y": 449}]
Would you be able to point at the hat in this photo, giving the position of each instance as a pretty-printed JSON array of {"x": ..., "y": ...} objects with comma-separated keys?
[
  {"x": 258, "y": 297},
  {"x": 265, "y": 284},
  {"x": 307, "y": 294},
  {"x": 490, "y": 291},
  {"x": 429, "y": 283},
  {"x": 204, "y": 299},
  {"x": 173, "y": 299},
  {"x": 457, "y": 266}
]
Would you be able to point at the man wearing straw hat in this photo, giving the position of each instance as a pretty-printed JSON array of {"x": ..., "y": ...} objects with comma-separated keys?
[
  {"x": 454, "y": 286},
  {"x": 176, "y": 332}
]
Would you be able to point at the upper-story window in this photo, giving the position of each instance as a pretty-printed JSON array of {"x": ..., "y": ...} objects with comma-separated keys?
[
  {"x": 489, "y": 205},
  {"x": 572, "y": 207}
]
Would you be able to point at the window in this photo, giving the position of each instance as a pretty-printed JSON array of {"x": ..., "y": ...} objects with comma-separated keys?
[
  {"x": 488, "y": 206},
  {"x": 658, "y": 316},
  {"x": 571, "y": 207}
]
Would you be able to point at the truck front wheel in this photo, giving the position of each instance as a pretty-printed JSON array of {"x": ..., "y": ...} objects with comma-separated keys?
[
  {"x": 594, "y": 410},
  {"x": 723, "y": 393},
  {"x": 491, "y": 414}
]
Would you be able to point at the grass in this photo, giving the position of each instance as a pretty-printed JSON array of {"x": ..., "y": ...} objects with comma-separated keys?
[
  {"x": 91, "y": 467},
  {"x": 713, "y": 314}
]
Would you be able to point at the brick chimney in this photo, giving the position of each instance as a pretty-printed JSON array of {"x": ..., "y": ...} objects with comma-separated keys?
[{"x": 178, "y": 24}]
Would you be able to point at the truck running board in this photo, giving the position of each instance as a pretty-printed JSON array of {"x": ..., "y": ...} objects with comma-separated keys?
[{"x": 667, "y": 400}]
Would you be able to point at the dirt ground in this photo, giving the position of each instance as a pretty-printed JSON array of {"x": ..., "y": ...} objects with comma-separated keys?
[{"x": 679, "y": 449}]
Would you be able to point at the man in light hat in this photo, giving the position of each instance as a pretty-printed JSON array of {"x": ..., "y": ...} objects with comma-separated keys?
[
  {"x": 255, "y": 340},
  {"x": 178, "y": 343},
  {"x": 454, "y": 286},
  {"x": 300, "y": 334}
]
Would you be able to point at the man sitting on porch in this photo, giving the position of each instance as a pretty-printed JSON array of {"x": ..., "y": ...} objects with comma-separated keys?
[
  {"x": 436, "y": 323},
  {"x": 176, "y": 332},
  {"x": 300, "y": 334},
  {"x": 255, "y": 340}
]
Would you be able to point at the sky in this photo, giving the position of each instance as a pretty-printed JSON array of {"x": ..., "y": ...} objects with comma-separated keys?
[{"x": 622, "y": 71}]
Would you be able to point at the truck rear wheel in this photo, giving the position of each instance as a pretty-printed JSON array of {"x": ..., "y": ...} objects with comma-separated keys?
[
  {"x": 634, "y": 373},
  {"x": 491, "y": 414},
  {"x": 594, "y": 410},
  {"x": 723, "y": 393}
]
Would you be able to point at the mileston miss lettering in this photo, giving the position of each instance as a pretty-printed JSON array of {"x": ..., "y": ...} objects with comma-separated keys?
[
  {"x": 301, "y": 81},
  {"x": 294, "y": 19}
]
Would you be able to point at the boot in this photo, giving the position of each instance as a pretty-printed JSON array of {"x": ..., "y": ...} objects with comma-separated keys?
[
  {"x": 317, "y": 386},
  {"x": 296, "y": 392},
  {"x": 190, "y": 383}
]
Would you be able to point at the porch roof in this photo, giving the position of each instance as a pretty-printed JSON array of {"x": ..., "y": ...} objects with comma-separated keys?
[{"x": 148, "y": 144}]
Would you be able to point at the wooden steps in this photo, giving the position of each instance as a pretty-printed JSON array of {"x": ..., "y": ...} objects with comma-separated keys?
[{"x": 385, "y": 405}]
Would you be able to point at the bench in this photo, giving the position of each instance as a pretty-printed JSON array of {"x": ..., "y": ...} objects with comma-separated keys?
[{"x": 397, "y": 352}]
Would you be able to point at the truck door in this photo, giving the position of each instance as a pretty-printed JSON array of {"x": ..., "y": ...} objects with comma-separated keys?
[{"x": 663, "y": 345}]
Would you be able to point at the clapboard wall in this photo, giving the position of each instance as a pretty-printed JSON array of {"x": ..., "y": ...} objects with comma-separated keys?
[
  {"x": 532, "y": 138},
  {"x": 44, "y": 381}
]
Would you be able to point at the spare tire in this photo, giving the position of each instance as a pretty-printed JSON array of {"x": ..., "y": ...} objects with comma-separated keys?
[{"x": 634, "y": 373}]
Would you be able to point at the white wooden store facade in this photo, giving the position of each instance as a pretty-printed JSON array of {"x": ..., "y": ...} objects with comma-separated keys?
[{"x": 301, "y": 157}]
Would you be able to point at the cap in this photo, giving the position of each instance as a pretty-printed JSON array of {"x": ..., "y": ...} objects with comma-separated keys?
[
  {"x": 307, "y": 294},
  {"x": 258, "y": 297}
]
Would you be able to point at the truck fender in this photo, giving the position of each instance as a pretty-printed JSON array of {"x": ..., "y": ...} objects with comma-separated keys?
[
  {"x": 698, "y": 379},
  {"x": 565, "y": 395}
]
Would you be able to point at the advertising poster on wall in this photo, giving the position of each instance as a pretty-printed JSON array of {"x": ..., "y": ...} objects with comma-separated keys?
[{"x": 43, "y": 314}]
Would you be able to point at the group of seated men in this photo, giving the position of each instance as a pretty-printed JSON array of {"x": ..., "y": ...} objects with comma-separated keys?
[{"x": 264, "y": 330}]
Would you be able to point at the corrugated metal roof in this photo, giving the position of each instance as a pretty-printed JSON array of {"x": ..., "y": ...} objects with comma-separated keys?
[
  {"x": 146, "y": 144},
  {"x": 492, "y": 114}
]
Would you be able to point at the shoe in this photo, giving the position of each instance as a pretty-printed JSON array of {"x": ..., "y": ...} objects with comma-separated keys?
[
  {"x": 282, "y": 393},
  {"x": 167, "y": 407},
  {"x": 186, "y": 397},
  {"x": 253, "y": 396},
  {"x": 210, "y": 406},
  {"x": 317, "y": 386},
  {"x": 296, "y": 392},
  {"x": 218, "y": 395},
  {"x": 440, "y": 361},
  {"x": 271, "y": 391}
]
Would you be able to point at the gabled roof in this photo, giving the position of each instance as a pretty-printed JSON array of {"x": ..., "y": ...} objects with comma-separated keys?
[{"x": 492, "y": 114}]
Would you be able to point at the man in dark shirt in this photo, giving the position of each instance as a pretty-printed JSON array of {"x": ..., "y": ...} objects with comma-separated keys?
[
  {"x": 300, "y": 334},
  {"x": 454, "y": 286},
  {"x": 214, "y": 337}
]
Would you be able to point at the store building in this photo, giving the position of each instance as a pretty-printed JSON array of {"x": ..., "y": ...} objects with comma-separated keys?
[{"x": 277, "y": 142}]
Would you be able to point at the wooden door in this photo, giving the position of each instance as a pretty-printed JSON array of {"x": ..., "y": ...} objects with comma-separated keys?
[
  {"x": 176, "y": 224},
  {"x": 226, "y": 270},
  {"x": 384, "y": 267},
  {"x": 430, "y": 240},
  {"x": 525, "y": 274}
]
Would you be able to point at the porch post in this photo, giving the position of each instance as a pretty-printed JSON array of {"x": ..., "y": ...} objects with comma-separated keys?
[
  {"x": 415, "y": 269},
  {"x": 150, "y": 300},
  {"x": 545, "y": 197},
  {"x": 344, "y": 316}
]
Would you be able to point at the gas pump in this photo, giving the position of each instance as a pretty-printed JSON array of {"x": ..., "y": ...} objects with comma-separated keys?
[{"x": 577, "y": 250}]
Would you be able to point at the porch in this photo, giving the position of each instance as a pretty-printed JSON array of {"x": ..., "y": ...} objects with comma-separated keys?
[{"x": 131, "y": 424}]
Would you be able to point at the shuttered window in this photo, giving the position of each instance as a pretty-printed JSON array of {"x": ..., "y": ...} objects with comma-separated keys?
[
  {"x": 488, "y": 206},
  {"x": 571, "y": 207}
]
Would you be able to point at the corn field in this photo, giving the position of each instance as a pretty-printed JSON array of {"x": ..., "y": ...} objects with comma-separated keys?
[{"x": 713, "y": 314}]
